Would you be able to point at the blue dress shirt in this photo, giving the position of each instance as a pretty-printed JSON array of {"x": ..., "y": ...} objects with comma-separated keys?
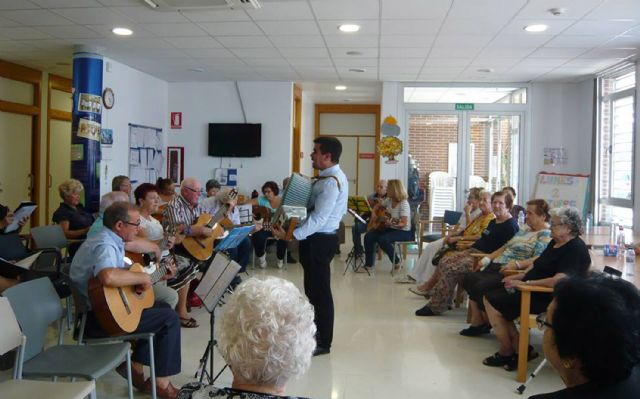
[
  {"x": 328, "y": 204},
  {"x": 102, "y": 250}
]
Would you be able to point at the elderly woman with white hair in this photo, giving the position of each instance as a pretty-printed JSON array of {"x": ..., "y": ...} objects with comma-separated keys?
[
  {"x": 566, "y": 255},
  {"x": 266, "y": 335}
]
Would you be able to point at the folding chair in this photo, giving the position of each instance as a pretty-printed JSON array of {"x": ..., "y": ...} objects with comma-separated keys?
[
  {"x": 36, "y": 306},
  {"x": 11, "y": 338},
  {"x": 400, "y": 247}
]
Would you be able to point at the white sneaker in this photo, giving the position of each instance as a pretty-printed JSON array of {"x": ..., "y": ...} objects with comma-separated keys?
[
  {"x": 262, "y": 261},
  {"x": 280, "y": 263}
]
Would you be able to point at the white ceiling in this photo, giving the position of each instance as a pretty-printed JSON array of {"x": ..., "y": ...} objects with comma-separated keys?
[{"x": 298, "y": 40}]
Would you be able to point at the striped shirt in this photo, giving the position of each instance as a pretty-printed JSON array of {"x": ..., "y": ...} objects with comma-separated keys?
[
  {"x": 401, "y": 209},
  {"x": 179, "y": 211}
]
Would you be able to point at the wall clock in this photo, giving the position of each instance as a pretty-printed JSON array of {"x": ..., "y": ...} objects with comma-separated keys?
[{"x": 108, "y": 98}]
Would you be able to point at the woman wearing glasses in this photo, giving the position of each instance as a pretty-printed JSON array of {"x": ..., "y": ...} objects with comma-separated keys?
[
  {"x": 566, "y": 255},
  {"x": 591, "y": 331}
]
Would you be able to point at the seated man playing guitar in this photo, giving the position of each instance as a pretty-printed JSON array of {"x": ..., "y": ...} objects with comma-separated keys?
[
  {"x": 181, "y": 214},
  {"x": 225, "y": 206},
  {"x": 101, "y": 256}
]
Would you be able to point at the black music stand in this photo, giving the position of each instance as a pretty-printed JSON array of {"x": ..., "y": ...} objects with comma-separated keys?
[
  {"x": 353, "y": 259},
  {"x": 214, "y": 284}
]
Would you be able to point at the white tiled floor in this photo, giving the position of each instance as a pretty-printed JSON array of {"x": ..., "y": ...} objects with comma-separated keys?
[{"x": 380, "y": 349}]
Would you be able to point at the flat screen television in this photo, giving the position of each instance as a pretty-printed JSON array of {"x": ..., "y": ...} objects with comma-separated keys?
[{"x": 239, "y": 140}]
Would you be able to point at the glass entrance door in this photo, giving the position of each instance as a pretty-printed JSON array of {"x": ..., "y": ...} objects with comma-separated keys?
[{"x": 485, "y": 145}]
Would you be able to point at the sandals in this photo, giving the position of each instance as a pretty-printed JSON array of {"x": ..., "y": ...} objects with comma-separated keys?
[
  {"x": 532, "y": 354},
  {"x": 419, "y": 292},
  {"x": 497, "y": 360},
  {"x": 509, "y": 363},
  {"x": 189, "y": 322}
]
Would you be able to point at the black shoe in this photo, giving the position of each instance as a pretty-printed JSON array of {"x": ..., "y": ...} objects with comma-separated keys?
[
  {"x": 497, "y": 360},
  {"x": 425, "y": 311},
  {"x": 291, "y": 259},
  {"x": 319, "y": 350},
  {"x": 513, "y": 365},
  {"x": 474, "y": 331}
]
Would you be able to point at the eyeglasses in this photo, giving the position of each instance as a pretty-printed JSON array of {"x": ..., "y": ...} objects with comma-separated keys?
[
  {"x": 132, "y": 224},
  {"x": 193, "y": 189},
  {"x": 541, "y": 321},
  {"x": 556, "y": 224}
]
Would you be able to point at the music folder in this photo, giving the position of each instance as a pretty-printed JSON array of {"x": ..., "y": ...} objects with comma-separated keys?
[
  {"x": 24, "y": 210},
  {"x": 359, "y": 204},
  {"x": 215, "y": 281},
  {"x": 234, "y": 237},
  {"x": 12, "y": 269}
]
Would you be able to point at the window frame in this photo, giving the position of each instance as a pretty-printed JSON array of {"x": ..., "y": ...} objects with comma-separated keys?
[{"x": 610, "y": 99}]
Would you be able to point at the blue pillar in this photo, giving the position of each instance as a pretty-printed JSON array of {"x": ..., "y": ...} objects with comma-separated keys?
[{"x": 86, "y": 119}]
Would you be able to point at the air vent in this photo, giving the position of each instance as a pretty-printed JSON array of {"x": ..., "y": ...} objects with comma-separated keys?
[{"x": 175, "y": 5}]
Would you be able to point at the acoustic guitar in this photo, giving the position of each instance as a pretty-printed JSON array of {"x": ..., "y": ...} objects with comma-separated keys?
[
  {"x": 380, "y": 219},
  {"x": 201, "y": 248},
  {"x": 118, "y": 309}
]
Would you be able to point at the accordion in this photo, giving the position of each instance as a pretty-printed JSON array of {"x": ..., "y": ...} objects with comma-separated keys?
[{"x": 293, "y": 207}]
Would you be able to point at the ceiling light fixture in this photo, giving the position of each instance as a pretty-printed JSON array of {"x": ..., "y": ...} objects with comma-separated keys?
[
  {"x": 341, "y": 88},
  {"x": 349, "y": 28},
  {"x": 122, "y": 31},
  {"x": 557, "y": 11},
  {"x": 196, "y": 69},
  {"x": 354, "y": 53},
  {"x": 536, "y": 28},
  {"x": 358, "y": 70},
  {"x": 151, "y": 3},
  {"x": 485, "y": 70}
]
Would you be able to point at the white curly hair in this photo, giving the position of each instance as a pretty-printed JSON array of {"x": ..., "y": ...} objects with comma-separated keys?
[{"x": 266, "y": 332}]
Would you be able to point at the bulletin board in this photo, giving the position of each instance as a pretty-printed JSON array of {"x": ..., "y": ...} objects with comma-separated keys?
[
  {"x": 145, "y": 154},
  {"x": 560, "y": 190}
]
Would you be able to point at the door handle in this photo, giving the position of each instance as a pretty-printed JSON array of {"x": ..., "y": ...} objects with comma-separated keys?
[{"x": 30, "y": 188}]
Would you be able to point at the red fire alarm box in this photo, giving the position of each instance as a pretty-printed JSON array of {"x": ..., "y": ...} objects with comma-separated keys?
[{"x": 176, "y": 120}]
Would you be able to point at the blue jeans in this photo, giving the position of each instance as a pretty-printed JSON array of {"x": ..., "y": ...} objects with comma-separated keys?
[
  {"x": 356, "y": 231},
  {"x": 385, "y": 240}
]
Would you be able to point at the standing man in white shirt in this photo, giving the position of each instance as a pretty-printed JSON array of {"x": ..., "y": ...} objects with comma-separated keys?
[{"x": 318, "y": 235}]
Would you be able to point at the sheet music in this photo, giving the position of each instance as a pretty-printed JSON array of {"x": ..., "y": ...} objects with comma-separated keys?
[
  {"x": 214, "y": 283},
  {"x": 19, "y": 214}
]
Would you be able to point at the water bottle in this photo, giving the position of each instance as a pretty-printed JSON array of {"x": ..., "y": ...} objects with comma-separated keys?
[
  {"x": 629, "y": 262},
  {"x": 521, "y": 220},
  {"x": 620, "y": 242},
  {"x": 613, "y": 228},
  {"x": 588, "y": 223}
]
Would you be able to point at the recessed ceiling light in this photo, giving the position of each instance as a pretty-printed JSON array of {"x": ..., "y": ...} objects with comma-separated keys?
[
  {"x": 357, "y": 70},
  {"x": 196, "y": 69},
  {"x": 122, "y": 31},
  {"x": 485, "y": 70},
  {"x": 354, "y": 53},
  {"x": 349, "y": 28},
  {"x": 536, "y": 28},
  {"x": 341, "y": 87}
]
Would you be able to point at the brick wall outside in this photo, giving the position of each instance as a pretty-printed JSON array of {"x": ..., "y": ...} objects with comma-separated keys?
[{"x": 429, "y": 138}]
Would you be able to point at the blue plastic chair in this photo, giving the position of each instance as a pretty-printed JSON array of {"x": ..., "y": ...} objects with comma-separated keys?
[
  {"x": 36, "y": 306},
  {"x": 11, "y": 338}
]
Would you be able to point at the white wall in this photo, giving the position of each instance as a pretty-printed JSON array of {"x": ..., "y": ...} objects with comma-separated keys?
[
  {"x": 307, "y": 132},
  {"x": 201, "y": 103},
  {"x": 560, "y": 116},
  {"x": 139, "y": 99}
]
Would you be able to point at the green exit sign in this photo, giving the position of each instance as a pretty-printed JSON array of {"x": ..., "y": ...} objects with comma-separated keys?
[{"x": 464, "y": 107}]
